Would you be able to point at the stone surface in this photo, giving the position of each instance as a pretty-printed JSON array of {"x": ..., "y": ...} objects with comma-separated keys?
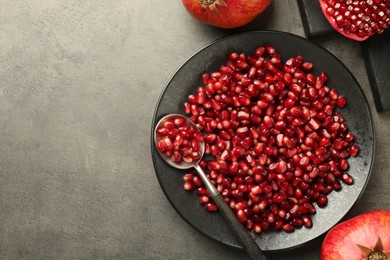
[{"x": 79, "y": 81}]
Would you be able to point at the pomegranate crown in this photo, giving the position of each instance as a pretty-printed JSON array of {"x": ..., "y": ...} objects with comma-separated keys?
[
  {"x": 375, "y": 253},
  {"x": 212, "y": 4}
]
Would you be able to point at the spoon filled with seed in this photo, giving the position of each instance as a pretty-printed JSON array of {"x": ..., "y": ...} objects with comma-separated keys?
[{"x": 181, "y": 144}]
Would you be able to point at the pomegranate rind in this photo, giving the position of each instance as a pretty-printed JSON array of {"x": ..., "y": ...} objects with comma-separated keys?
[
  {"x": 341, "y": 241},
  {"x": 334, "y": 25},
  {"x": 235, "y": 14}
]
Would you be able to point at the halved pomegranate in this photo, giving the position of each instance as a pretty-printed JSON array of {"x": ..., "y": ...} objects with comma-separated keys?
[
  {"x": 226, "y": 13},
  {"x": 366, "y": 236},
  {"x": 357, "y": 19}
]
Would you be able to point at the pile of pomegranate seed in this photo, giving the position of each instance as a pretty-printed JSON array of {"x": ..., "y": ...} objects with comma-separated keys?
[
  {"x": 360, "y": 17},
  {"x": 179, "y": 141},
  {"x": 276, "y": 142}
]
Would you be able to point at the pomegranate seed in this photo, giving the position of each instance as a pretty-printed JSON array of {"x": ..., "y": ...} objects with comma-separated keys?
[
  {"x": 241, "y": 216},
  {"x": 176, "y": 157},
  {"x": 210, "y": 138},
  {"x": 203, "y": 191},
  {"x": 233, "y": 56},
  {"x": 211, "y": 207},
  {"x": 354, "y": 150},
  {"x": 288, "y": 228},
  {"x": 296, "y": 111},
  {"x": 347, "y": 179},
  {"x": 197, "y": 181},
  {"x": 334, "y": 94},
  {"x": 314, "y": 124},
  {"x": 278, "y": 224},
  {"x": 322, "y": 201},
  {"x": 257, "y": 228},
  {"x": 341, "y": 102},
  {"x": 188, "y": 185},
  {"x": 306, "y": 66},
  {"x": 203, "y": 200},
  {"x": 188, "y": 177},
  {"x": 214, "y": 166},
  {"x": 297, "y": 222},
  {"x": 337, "y": 185},
  {"x": 256, "y": 190},
  {"x": 307, "y": 222},
  {"x": 343, "y": 164}
]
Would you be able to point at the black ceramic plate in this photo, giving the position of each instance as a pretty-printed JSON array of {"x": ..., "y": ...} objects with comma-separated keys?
[{"x": 357, "y": 113}]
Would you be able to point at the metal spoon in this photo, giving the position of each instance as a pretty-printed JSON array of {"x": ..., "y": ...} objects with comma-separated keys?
[{"x": 241, "y": 233}]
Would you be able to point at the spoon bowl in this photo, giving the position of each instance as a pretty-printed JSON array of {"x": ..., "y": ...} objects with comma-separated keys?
[{"x": 183, "y": 165}]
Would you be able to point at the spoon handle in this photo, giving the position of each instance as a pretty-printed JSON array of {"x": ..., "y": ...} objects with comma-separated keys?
[{"x": 239, "y": 230}]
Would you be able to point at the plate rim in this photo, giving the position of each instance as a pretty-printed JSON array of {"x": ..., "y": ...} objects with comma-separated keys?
[{"x": 372, "y": 126}]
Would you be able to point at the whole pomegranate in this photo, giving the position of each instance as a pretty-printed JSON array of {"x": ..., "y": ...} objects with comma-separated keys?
[
  {"x": 366, "y": 236},
  {"x": 226, "y": 13},
  {"x": 357, "y": 19}
]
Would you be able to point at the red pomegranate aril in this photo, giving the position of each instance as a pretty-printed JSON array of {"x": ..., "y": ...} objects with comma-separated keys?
[
  {"x": 188, "y": 177},
  {"x": 337, "y": 185},
  {"x": 248, "y": 223},
  {"x": 314, "y": 124},
  {"x": 179, "y": 140},
  {"x": 341, "y": 101},
  {"x": 257, "y": 228},
  {"x": 289, "y": 228},
  {"x": 334, "y": 127},
  {"x": 161, "y": 146},
  {"x": 327, "y": 189},
  {"x": 189, "y": 185},
  {"x": 203, "y": 199},
  {"x": 169, "y": 124},
  {"x": 296, "y": 111},
  {"x": 338, "y": 143},
  {"x": 354, "y": 150},
  {"x": 225, "y": 135},
  {"x": 334, "y": 94},
  {"x": 344, "y": 154},
  {"x": 330, "y": 179},
  {"x": 241, "y": 205},
  {"x": 306, "y": 66},
  {"x": 176, "y": 157},
  {"x": 349, "y": 137},
  {"x": 233, "y": 56},
  {"x": 197, "y": 181},
  {"x": 168, "y": 144},
  {"x": 343, "y": 164},
  {"x": 313, "y": 93},
  {"x": 278, "y": 224},
  {"x": 201, "y": 97},
  {"x": 282, "y": 213},
  {"x": 322, "y": 201},
  {"x": 304, "y": 161},
  {"x": 203, "y": 191},
  {"x": 297, "y": 222},
  {"x": 256, "y": 190},
  {"x": 210, "y": 138},
  {"x": 307, "y": 221},
  {"x": 214, "y": 166},
  {"x": 304, "y": 208},
  {"x": 163, "y": 131},
  {"x": 270, "y": 217},
  {"x": 241, "y": 216},
  {"x": 347, "y": 179},
  {"x": 211, "y": 207}
]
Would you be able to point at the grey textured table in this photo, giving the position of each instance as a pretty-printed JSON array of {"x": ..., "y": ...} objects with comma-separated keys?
[{"x": 78, "y": 84}]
